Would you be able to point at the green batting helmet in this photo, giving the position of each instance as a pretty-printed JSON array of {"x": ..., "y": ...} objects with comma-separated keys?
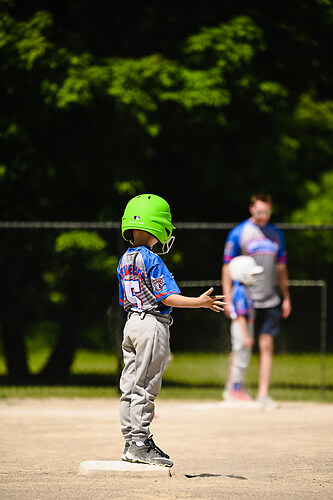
[{"x": 150, "y": 213}]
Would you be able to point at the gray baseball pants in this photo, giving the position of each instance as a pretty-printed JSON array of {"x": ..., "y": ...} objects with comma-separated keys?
[
  {"x": 241, "y": 354},
  {"x": 146, "y": 349}
]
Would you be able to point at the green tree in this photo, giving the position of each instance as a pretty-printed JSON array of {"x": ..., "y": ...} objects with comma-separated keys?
[
  {"x": 313, "y": 252},
  {"x": 81, "y": 253},
  {"x": 208, "y": 104}
]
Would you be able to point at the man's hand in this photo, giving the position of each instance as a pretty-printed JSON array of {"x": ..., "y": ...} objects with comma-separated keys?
[
  {"x": 226, "y": 282},
  {"x": 286, "y": 308},
  {"x": 227, "y": 310}
]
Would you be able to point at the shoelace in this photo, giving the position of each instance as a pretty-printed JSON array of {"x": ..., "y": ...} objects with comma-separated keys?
[{"x": 152, "y": 446}]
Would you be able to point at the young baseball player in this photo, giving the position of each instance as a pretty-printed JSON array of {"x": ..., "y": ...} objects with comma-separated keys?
[
  {"x": 245, "y": 274},
  {"x": 148, "y": 292},
  {"x": 257, "y": 237}
]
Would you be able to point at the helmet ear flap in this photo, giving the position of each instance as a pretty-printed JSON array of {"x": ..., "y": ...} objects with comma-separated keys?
[{"x": 128, "y": 235}]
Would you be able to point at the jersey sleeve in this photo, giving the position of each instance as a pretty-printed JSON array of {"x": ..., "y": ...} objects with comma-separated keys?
[
  {"x": 232, "y": 245},
  {"x": 239, "y": 302},
  {"x": 121, "y": 292},
  {"x": 162, "y": 281},
  {"x": 282, "y": 253}
]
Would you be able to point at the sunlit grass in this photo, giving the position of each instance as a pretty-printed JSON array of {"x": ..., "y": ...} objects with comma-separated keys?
[
  {"x": 36, "y": 391},
  {"x": 189, "y": 376}
]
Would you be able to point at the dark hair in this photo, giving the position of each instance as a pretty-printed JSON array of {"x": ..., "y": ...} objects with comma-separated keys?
[{"x": 267, "y": 198}]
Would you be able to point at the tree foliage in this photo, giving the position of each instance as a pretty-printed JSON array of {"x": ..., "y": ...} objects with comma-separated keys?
[
  {"x": 241, "y": 107},
  {"x": 200, "y": 103}
]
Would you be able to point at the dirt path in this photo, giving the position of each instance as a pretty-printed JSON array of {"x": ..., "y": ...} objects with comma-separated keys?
[{"x": 228, "y": 453}]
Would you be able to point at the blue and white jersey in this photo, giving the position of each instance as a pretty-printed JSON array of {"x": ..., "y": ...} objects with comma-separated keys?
[
  {"x": 267, "y": 246},
  {"x": 242, "y": 303},
  {"x": 144, "y": 280}
]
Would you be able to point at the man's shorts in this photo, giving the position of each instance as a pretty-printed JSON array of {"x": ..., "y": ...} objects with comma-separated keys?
[{"x": 268, "y": 321}]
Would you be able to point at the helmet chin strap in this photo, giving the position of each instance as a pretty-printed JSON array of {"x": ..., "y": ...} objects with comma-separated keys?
[{"x": 167, "y": 246}]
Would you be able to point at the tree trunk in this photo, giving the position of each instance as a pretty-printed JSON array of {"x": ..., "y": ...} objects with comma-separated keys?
[
  {"x": 60, "y": 361},
  {"x": 12, "y": 325}
]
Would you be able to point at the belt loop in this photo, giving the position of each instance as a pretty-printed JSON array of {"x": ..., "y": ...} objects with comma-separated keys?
[{"x": 142, "y": 315}]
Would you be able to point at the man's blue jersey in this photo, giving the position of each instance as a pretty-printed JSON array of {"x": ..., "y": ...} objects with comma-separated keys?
[
  {"x": 144, "y": 280},
  {"x": 267, "y": 246}
]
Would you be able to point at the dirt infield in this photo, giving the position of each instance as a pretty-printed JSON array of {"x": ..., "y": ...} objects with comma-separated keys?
[{"x": 218, "y": 452}]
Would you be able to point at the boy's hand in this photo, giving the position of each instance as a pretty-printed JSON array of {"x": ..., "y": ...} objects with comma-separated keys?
[
  {"x": 205, "y": 300},
  {"x": 248, "y": 341},
  {"x": 212, "y": 301}
]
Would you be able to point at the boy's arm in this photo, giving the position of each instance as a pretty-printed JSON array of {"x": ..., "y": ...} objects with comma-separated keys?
[
  {"x": 205, "y": 300},
  {"x": 248, "y": 341}
]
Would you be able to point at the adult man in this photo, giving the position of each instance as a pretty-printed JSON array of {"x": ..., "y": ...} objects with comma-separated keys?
[{"x": 265, "y": 242}]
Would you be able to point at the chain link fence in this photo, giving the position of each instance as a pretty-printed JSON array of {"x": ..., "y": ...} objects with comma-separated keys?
[{"x": 41, "y": 282}]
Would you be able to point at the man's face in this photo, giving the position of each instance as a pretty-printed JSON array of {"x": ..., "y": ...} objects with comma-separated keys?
[{"x": 260, "y": 212}]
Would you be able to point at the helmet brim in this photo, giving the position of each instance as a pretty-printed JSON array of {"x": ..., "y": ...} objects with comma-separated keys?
[{"x": 257, "y": 270}]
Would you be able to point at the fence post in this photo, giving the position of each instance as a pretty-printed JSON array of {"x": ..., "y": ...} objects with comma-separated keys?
[
  {"x": 120, "y": 315},
  {"x": 323, "y": 329}
]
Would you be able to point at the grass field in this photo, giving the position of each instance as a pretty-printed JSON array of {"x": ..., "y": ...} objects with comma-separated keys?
[{"x": 189, "y": 376}]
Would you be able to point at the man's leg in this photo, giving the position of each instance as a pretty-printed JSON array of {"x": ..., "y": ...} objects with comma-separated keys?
[{"x": 266, "y": 350}]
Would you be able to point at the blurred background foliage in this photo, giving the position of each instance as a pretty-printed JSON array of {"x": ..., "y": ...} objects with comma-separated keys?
[{"x": 201, "y": 103}]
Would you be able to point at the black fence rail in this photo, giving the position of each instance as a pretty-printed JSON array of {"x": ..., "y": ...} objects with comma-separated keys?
[{"x": 43, "y": 288}]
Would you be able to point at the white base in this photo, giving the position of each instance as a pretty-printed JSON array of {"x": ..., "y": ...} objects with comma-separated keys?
[{"x": 123, "y": 468}]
